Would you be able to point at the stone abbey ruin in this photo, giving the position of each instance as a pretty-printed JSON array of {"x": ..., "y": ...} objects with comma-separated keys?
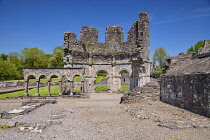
[
  {"x": 124, "y": 63},
  {"x": 185, "y": 83}
]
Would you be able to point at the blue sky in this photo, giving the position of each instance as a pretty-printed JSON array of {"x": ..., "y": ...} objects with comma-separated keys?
[{"x": 174, "y": 25}]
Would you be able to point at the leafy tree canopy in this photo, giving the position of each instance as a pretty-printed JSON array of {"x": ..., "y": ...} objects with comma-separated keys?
[
  {"x": 8, "y": 70},
  {"x": 196, "y": 47},
  {"x": 3, "y": 56},
  {"x": 33, "y": 58},
  {"x": 160, "y": 56},
  {"x": 56, "y": 60}
]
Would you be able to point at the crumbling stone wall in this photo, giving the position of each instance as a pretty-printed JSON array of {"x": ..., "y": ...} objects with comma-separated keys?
[
  {"x": 205, "y": 48},
  {"x": 186, "y": 82},
  {"x": 85, "y": 57},
  {"x": 191, "y": 92},
  {"x": 112, "y": 56}
]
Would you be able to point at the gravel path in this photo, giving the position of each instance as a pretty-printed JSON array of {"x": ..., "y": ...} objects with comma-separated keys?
[{"x": 103, "y": 119}]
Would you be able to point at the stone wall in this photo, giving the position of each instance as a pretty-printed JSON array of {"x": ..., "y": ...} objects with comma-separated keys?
[
  {"x": 205, "y": 48},
  {"x": 191, "y": 92},
  {"x": 85, "y": 57},
  {"x": 138, "y": 40}
]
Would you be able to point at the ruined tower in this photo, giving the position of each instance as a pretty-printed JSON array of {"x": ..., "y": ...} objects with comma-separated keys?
[{"x": 113, "y": 56}]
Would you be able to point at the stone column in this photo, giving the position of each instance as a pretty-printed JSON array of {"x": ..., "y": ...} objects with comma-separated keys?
[
  {"x": 49, "y": 94},
  {"x": 60, "y": 87},
  {"x": 83, "y": 86},
  {"x": 26, "y": 88},
  {"x": 37, "y": 93},
  {"x": 72, "y": 86}
]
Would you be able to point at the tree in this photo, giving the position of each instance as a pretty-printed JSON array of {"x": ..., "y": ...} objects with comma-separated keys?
[
  {"x": 196, "y": 47},
  {"x": 190, "y": 50},
  {"x": 160, "y": 56},
  {"x": 3, "y": 56},
  {"x": 8, "y": 70},
  {"x": 33, "y": 58},
  {"x": 14, "y": 58},
  {"x": 56, "y": 60}
]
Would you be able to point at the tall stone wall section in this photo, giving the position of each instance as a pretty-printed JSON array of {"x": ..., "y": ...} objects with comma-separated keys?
[
  {"x": 113, "y": 56},
  {"x": 191, "y": 92}
]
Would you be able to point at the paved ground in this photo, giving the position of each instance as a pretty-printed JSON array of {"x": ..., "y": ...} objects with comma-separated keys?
[{"x": 102, "y": 117}]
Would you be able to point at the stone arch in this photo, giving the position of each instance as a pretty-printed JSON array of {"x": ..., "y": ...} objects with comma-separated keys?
[
  {"x": 78, "y": 83},
  {"x": 125, "y": 69},
  {"x": 54, "y": 84},
  {"x": 102, "y": 80},
  {"x": 125, "y": 78},
  {"x": 28, "y": 77},
  {"x": 42, "y": 81},
  {"x": 102, "y": 70},
  {"x": 42, "y": 76}
]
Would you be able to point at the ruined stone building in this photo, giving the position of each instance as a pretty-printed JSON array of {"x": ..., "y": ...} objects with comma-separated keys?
[
  {"x": 185, "y": 83},
  {"x": 124, "y": 63}
]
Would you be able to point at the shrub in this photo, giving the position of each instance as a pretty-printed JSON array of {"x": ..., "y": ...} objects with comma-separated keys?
[{"x": 155, "y": 74}]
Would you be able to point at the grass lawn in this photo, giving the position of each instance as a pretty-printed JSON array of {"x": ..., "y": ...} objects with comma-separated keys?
[
  {"x": 124, "y": 88},
  {"x": 101, "y": 88},
  {"x": 100, "y": 78},
  {"x": 77, "y": 88},
  {"x": 43, "y": 91}
]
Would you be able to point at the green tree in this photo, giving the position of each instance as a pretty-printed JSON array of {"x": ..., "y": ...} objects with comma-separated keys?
[
  {"x": 3, "y": 56},
  {"x": 33, "y": 58},
  {"x": 160, "y": 56},
  {"x": 56, "y": 60},
  {"x": 15, "y": 59},
  {"x": 196, "y": 47},
  {"x": 190, "y": 50},
  {"x": 8, "y": 70}
]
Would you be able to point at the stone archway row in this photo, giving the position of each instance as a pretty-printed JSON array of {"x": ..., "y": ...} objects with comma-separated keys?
[{"x": 47, "y": 72}]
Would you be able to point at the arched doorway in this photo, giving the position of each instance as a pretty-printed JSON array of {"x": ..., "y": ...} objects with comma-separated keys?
[
  {"x": 31, "y": 85},
  {"x": 43, "y": 83},
  {"x": 125, "y": 80},
  {"x": 77, "y": 81},
  {"x": 101, "y": 82},
  {"x": 54, "y": 85}
]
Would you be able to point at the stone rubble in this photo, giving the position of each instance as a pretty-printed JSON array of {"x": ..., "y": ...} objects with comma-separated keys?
[
  {"x": 166, "y": 116},
  {"x": 150, "y": 91},
  {"x": 27, "y": 107},
  {"x": 107, "y": 119}
]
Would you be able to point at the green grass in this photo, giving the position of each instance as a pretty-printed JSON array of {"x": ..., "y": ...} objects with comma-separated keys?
[
  {"x": 43, "y": 92},
  {"x": 125, "y": 88},
  {"x": 100, "y": 78},
  {"x": 77, "y": 88},
  {"x": 77, "y": 78},
  {"x": 33, "y": 80},
  {"x": 101, "y": 88},
  {"x": 13, "y": 80}
]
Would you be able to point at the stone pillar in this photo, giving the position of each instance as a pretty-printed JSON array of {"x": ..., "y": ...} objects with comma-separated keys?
[
  {"x": 83, "y": 86},
  {"x": 71, "y": 86},
  {"x": 37, "y": 93},
  {"x": 60, "y": 87},
  {"x": 49, "y": 94},
  {"x": 26, "y": 88}
]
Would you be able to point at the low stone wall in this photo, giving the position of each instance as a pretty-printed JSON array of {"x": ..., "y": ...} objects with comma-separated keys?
[{"x": 191, "y": 92}]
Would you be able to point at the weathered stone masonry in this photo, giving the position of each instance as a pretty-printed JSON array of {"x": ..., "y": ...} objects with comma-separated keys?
[
  {"x": 113, "y": 57},
  {"x": 191, "y": 92},
  {"x": 186, "y": 82}
]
